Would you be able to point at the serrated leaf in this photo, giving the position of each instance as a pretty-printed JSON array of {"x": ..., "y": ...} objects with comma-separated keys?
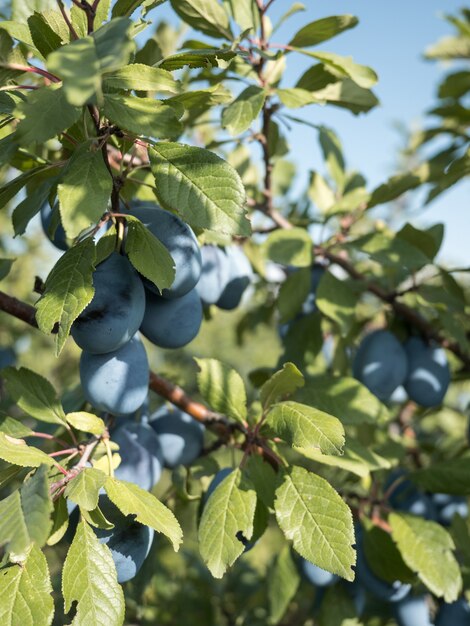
[
  {"x": 336, "y": 299},
  {"x": 34, "y": 394},
  {"x": 25, "y": 515},
  {"x": 60, "y": 522},
  {"x": 282, "y": 383},
  {"x": 449, "y": 476},
  {"x": 25, "y": 592},
  {"x": 17, "y": 452},
  {"x": 244, "y": 110},
  {"x": 290, "y": 247},
  {"x": 229, "y": 511},
  {"x": 69, "y": 289},
  {"x": 207, "y": 16},
  {"x": 321, "y": 30},
  {"x": 86, "y": 422},
  {"x": 45, "y": 114},
  {"x": 141, "y": 77},
  {"x": 313, "y": 515},
  {"x": 222, "y": 387},
  {"x": 84, "y": 488},
  {"x": 202, "y": 187},
  {"x": 14, "y": 428},
  {"x": 82, "y": 63},
  {"x": 306, "y": 427},
  {"x": 132, "y": 500},
  {"x": 89, "y": 578},
  {"x": 197, "y": 58},
  {"x": 283, "y": 582},
  {"x": 143, "y": 116},
  {"x": 264, "y": 479},
  {"x": 85, "y": 190},
  {"x": 148, "y": 255},
  {"x": 426, "y": 547},
  {"x": 46, "y": 31}
]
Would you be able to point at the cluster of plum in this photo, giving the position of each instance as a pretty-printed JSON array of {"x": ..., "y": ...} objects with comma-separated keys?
[{"x": 384, "y": 366}]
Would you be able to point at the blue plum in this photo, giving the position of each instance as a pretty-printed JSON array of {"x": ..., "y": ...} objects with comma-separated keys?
[
  {"x": 7, "y": 357},
  {"x": 412, "y": 611},
  {"x": 447, "y": 506},
  {"x": 454, "y": 614},
  {"x": 239, "y": 278},
  {"x": 180, "y": 242},
  {"x": 316, "y": 575},
  {"x": 172, "y": 323},
  {"x": 215, "y": 274},
  {"x": 141, "y": 455},
  {"x": 380, "y": 363},
  {"x": 129, "y": 541},
  {"x": 116, "y": 382},
  {"x": 428, "y": 372},
  {"x": 309, "y": 304},
  {"x": 114, "y": 315},
  {"x": 57, "y": 238},
  {"x": 406, "y": 497},
  {"x": 180, "y": 436}
]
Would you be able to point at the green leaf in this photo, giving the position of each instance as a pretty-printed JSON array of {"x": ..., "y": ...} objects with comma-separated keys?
[
  {"x": 31, "y": 205},
  {"x": 222, "y": 387},
  {"x": 345, "y": 94},
  {"x": 294, "y": 98},
  {"x": 84, "y": 488},
  {"x": 293, "y": 293},
  {"x": 343, "y": 397},
  {"x": 201, "y": 186},
  {"x": 245, "y": 13},
  {"x": 395, "y": 187},
  {"x": 25, "y": 515},
  {"x": 229, "y": 511},
  {"x": 391, "y": 251},
  {"x": 197, "y": 58},
  {"x": 338, "y": 608},
  {"x": 148, "y": 255},
  {"x": 143, "y": 116},
  {"x": 82, "y": 63},
  {"x": 10, "y": 189},
  {"x": 69, "y": 289},
  {"x": 85, "y": 190},
  {"x": 14, "y": 428},
  {"x": 336, "y": 299},
  {"x": 25, "y": 592},
  {"x": 142, "y": 78},
  {"x": 295, "y": 8},
  {"x": 383, "y": 556},
  {"x": 333, "y": 154},
  {"x": 244, "y": 110},
  {"x": 60, "y": 522},
  {"x": 426, "y": 547},
  {"x": 322, "y": 30},
  {"x": 125, "y": 7},
  {"x": 321, "y": 193},
  {"x": 362, "y": 75},
  {"x": 427, "y": 241},
  {"x": 132, "y": 500},
  {"x": 449, "y": 476},
  {"x": 306, "y": 427},
  {"x": 5, "y": 267},
  {"x": 207, "y": 16},
  {"x": 283, "y": 582},
  {"x": 290, "y": 247},
  {"x": 45, "y": 114},
  {"x": 22, "y": 9},
  {"x": 89, "y": 578},
  {"x": 34, "y": 394},
  {"x": 17, "y": 452},
  {"x": 86, "y": 422},
  {"x": 281, "y": 384},
  {"x": 313, "y": 515},
  {"x": 264, "y": 479},
  {"x": 44, "y": 36}
]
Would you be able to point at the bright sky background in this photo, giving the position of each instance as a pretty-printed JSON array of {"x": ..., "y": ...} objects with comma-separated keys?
[{"x": 391, "y": 37}]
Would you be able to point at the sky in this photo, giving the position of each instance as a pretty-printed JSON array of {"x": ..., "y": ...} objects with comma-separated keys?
[{"x": 391, "y": 37}]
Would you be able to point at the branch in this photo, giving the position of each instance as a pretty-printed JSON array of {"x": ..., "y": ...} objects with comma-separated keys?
[
  {"x": 31, "y": 68},
  {"x": 72, "y": 30}
]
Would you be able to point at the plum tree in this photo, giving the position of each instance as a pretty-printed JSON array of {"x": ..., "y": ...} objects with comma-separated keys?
[
  {"x": 114, "y": 315},
  {"x": 129, "y": 541},
  {"x": 309, "y": 304},
  {"x": 116, "y": 382},
  {"x": 412, "y": 611},
  {"x": 180, "y": 436},
  {"x": 172, "y": 323},
  {"x": 215, "y": 274},
  {"x": 454, "y": 613},
  {"x": 407, "y": 497},
  {"x": 240, "y": 276},
  {"x": 58, "y": 237},
  {"x": 380, "y": 363},
  {"x": 447, "y": 506},
  {"x": 141, "y": 455},
  {"x": 428, "y": 372},
  {"x": 215, "y": 482},
  {"x": 181, "y": 243},
  {"x": 7, "y": 357},
  {"x": 316, "y": 575}
]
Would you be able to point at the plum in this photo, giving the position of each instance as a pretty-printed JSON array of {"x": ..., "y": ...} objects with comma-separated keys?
[
  {"x": 406, "y": 497},
  {"x": 181, "y": 243},
  {"x": 454, "y": 614},
  {"x": 240, "y": 277},
  {"x": 180, "y": 436},
  {"x": 129, "y": 541},
  {"x": 141, "y": 455},
  {"x": 172, "y": 323},
  {"x": 7, "y": 357},
  {"x": 116, "y": 382},
  {"x": 428, "y": 372},
  {"x": 58, "y": 238},
  {"x": 412, "y": 611},
  {"x": 316, "y": 575},
  {"x": 215, "y": 274},
  {"x": 380, "y": 363},
  {"x": 114, "y": 315}
]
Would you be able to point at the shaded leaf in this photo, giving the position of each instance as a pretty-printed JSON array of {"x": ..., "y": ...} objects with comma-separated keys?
[
  {"x": 282, "y": 383},
  {"x": 222, "y": 387},
  {"x": 244, "y": 110}
]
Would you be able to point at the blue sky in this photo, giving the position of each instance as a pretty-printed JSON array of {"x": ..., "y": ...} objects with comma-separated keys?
[{"x": 391, "y": 37}]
